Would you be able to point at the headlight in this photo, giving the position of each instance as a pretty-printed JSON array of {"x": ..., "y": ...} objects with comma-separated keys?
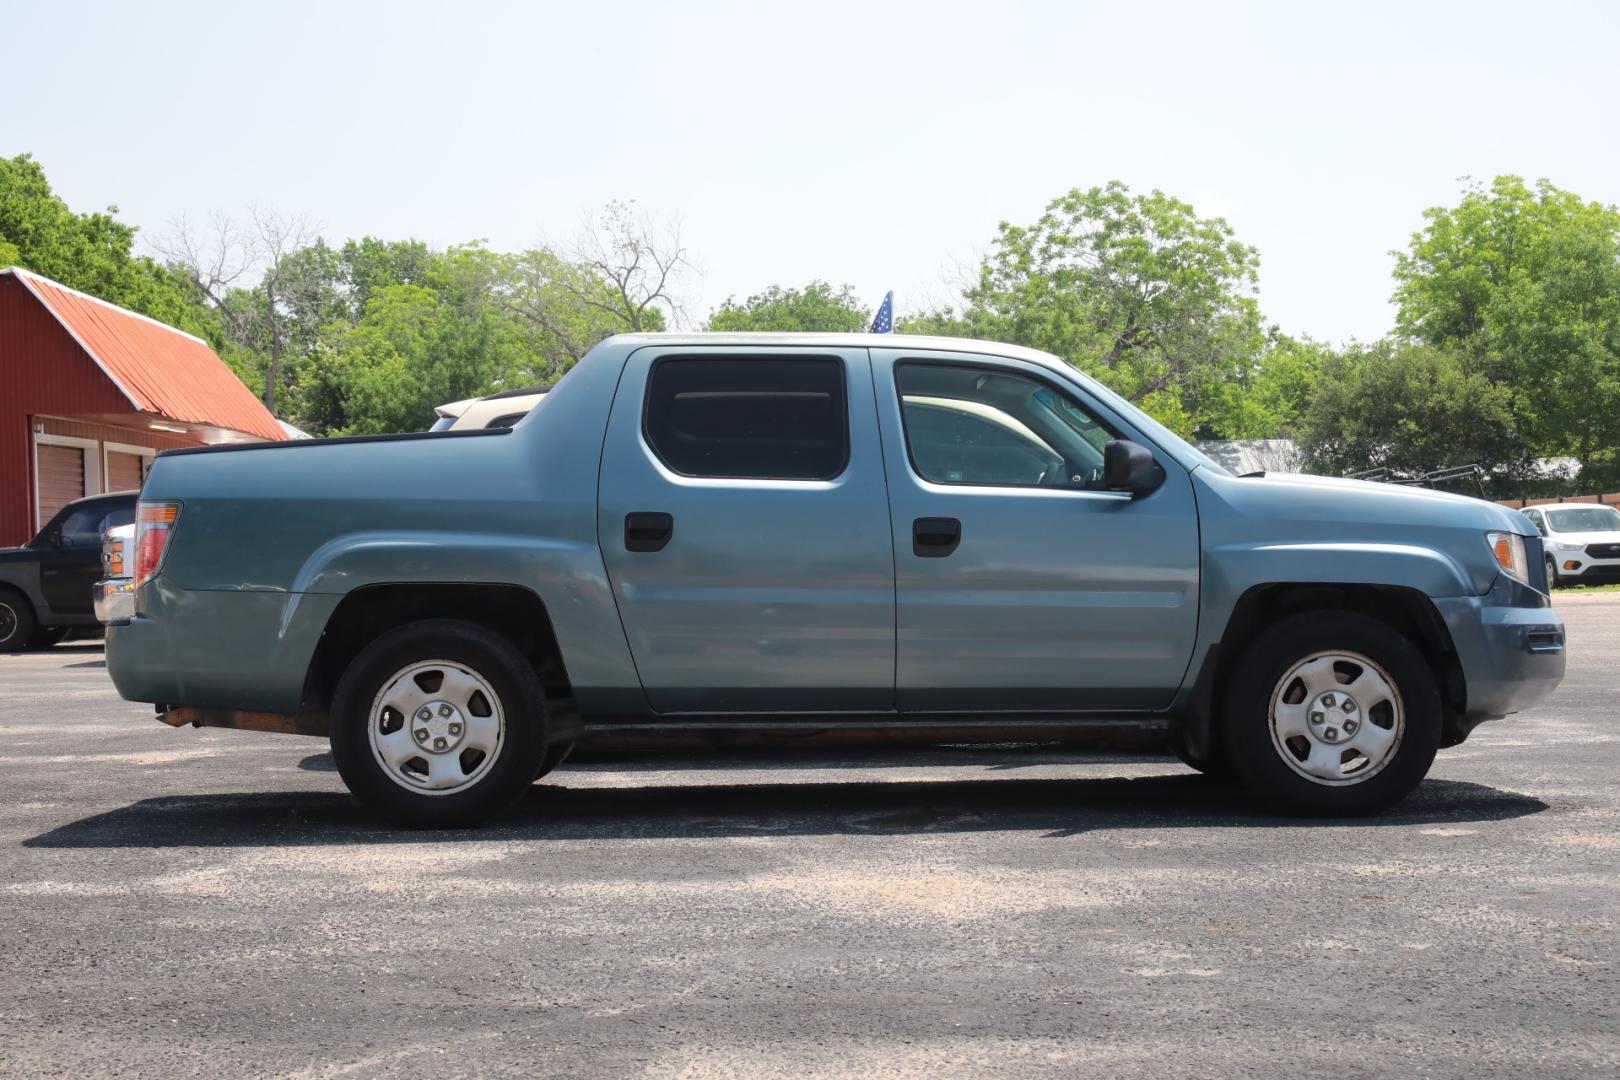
[
  {"x": 1570, "y": 547},
  {"x": 1509, "y": 551}
]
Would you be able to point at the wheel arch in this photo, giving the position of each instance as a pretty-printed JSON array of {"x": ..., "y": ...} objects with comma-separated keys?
[
  {"x": 1406, "y": 609},
  {"x": 513, "y": 611}
]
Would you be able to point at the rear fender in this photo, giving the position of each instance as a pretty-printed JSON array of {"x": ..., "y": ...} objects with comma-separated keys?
[{"x": 567, "y": 575}]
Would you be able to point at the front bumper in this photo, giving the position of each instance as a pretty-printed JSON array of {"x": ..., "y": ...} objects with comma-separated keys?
[
  {"x": 1581, "y": 567},
  {"x": 1510, "y": 643},
  {"x": 113, "y": 598}
]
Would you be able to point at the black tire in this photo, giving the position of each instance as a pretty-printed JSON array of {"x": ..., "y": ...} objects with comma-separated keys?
[
  {"x": 1552, "y": 574},
  {"x": 467, "y": 647},
  {"x": 554, "y": 756},
  {"x": 17, "y": 623},
  {"x": 1258, "y": 759},
  {"x": 1215, "y": 766},
  {"x": 46, "y": 636}
]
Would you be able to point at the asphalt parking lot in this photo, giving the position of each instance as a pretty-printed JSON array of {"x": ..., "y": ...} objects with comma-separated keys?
[{"x": 212, "y": 903}]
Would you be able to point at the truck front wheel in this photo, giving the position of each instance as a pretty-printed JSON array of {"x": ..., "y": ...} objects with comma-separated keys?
[
  {"x": 1332, "y": 713},
  {"x": 439, "y": 722}
]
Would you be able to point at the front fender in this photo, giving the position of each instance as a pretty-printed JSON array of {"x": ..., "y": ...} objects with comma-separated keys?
[{"x": 1231, "y": 570}]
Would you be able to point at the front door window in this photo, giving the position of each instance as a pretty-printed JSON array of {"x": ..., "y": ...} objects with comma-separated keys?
[{"x": 977, "y": 426}]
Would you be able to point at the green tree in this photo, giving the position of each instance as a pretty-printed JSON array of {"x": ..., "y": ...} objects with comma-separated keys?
[
  {"x": 1273, "y": 398},
  {"x": 1525, "y": 284},
  {"x": 566, "y": 306},
  {"x": 940, "y": 322},
  {"x": 93, "y": 253},
  {"x": 816, "y": 308},
  {"x": 1138, "y": 290},
  {"x": 410, "y": 351},
  {"x": 1407, "y": 407}
]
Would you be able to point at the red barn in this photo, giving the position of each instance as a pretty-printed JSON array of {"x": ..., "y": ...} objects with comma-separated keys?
[{"x": 90, "y": 392}]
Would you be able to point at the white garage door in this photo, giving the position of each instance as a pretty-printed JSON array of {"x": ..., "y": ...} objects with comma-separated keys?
[
  {"x": 124, "y": 471},
  {"x": 61, "y": 478}
]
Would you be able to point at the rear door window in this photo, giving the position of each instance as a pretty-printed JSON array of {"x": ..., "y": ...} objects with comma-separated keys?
[{"x": 758, "y": 418}]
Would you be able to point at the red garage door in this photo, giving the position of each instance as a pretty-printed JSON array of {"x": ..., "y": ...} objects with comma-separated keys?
[
  {"x": 124, "y": 471},
  {"x": 61, "y": 478}
]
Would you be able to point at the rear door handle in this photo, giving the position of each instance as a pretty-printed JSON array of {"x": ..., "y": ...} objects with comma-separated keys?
[
  {"x": 935, "y": 538},
  {"x": 647, "y": 531}
]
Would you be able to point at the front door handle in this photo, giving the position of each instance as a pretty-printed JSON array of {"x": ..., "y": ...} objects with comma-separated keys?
[
  {"x": 935, "y": 538},
  {"x": 647, "y": 531}
]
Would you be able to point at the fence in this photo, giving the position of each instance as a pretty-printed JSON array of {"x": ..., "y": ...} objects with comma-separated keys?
[{"x": 1611, "y": 499}]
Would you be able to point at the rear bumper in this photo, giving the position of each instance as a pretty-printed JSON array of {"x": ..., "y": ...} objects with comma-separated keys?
[
  {"x": 227, "y": 649},
  {"x": 1510, "y": 643}
]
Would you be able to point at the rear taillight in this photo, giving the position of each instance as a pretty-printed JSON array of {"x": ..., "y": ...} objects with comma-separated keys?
[{"x": 154, "y": 524}]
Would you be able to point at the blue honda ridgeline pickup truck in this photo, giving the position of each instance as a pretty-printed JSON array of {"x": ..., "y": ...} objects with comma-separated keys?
[{"x": 817, "y": 537}]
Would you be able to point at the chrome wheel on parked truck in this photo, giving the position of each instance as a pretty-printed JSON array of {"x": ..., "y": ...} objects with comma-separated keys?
[
  {"x": 1332, "y": 712},
  {"x": 439, "y": 722}
]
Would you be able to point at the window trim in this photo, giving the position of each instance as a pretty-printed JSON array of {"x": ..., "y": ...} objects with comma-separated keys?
[
  {"x": 751, "y": 357},
  {"x": 1050, "y": 384}
]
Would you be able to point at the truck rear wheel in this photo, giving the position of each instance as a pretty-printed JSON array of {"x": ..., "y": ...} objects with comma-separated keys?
[
  {"x": 1332, "y": 713},
  {"x": 439, "y": 722},
  {"x": 16, "y": 621}
]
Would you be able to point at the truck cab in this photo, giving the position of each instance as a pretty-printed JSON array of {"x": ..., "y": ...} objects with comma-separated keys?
[{"x": 823, "y": 537}]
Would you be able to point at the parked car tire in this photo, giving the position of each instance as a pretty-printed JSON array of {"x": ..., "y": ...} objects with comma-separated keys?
[
  {"x": 438, "y": 723},
  {"x": 1553, "y": 581},
  {"x": 17, "y": 623},
  {"x": 1332, "y": 713},
  {"x": 46, "y": 636}
]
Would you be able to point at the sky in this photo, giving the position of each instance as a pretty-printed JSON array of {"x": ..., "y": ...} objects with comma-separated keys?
[{"x": 872, "y": 144}]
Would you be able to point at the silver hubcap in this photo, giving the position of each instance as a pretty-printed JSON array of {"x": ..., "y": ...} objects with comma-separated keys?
[
  {"x": 8, "y": 621},
  {"x": 1336, "y": 718},
  {"x": 436, "y": 727}
]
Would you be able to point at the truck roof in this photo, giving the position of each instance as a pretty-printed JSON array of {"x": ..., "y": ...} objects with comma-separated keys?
[{"x": 847, "y": 341}]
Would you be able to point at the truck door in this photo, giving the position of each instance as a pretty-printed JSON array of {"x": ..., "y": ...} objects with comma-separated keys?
[
  {"x": 1021, "y": 584},
  {"x": 744, "y": 520},
  {"x": 70, "y": 560}
]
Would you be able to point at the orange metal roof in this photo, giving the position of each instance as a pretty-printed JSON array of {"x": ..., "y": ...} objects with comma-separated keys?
[{"x": 159, "y": 369}]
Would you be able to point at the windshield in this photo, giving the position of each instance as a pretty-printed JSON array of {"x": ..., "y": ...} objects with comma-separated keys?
[
  {"x": 1584, "y": 519},
  {"x": 1150, "y": 427}
]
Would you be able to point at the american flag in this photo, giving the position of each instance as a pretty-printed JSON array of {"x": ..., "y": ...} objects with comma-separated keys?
[{"x": 884, "y": 323}]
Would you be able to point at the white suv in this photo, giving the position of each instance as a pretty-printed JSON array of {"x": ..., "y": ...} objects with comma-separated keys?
[
  {"x": 494, "y": 411},
  {"x": 1582, "y": 542}
]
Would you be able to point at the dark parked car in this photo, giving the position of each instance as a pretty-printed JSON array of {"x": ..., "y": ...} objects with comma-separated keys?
[{"x": 46, "y": 586}]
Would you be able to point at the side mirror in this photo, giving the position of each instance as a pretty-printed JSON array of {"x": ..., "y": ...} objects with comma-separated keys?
[{"x": 1128, "y": 466}]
